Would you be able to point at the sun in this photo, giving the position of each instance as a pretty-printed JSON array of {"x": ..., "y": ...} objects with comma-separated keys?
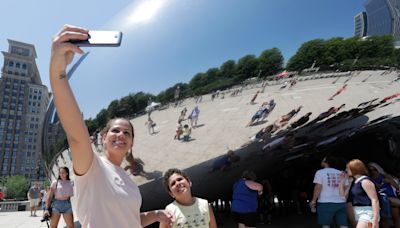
[{"x": 145, "y": 11}]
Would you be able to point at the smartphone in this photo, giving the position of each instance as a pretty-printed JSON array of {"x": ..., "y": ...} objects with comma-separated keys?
[{"x": 100, "y": 39}]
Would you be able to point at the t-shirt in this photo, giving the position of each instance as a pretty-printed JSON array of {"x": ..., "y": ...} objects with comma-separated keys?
[
  {"x": 329, "y": 178},
  {"x": 107, "y": 197},
  {"x": 244, "y": 199},
  {"x": 64, "y": 188},
  {"x": 44, "y": 195},
  {"x": 196, "y": 215},
  {"x": 34, "y": 193}
]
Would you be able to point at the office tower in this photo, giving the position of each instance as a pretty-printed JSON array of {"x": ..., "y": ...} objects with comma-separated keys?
[{"x": 23, "y": 100}]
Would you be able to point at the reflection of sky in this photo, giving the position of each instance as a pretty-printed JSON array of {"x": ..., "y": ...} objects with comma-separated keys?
[{"x": 169, "y": 41}]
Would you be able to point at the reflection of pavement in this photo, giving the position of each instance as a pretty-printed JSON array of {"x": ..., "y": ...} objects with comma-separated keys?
[
  {"x": 224, "y": 119},
  {"x": 21, "y": 219},
  {"x": 222, "y": 126}
]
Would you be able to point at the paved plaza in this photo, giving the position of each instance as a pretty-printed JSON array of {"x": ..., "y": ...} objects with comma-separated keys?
[{"x": 21, "y": 219}]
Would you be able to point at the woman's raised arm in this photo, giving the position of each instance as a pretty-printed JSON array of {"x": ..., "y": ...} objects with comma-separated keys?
[{"x": 62, "y": 54}]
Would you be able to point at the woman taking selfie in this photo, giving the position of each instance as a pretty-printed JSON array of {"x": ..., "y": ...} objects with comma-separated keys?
[{"x": 105, "y": 194}]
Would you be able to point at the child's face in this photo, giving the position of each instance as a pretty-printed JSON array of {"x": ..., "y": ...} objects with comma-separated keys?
[{"x": 178, "y": 185}]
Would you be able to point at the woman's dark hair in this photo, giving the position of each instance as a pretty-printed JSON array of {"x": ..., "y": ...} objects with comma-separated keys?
[
  {"x": 129, "y": 156},
  {"x": 171, "y": 172},
  {"x": 66, "y": 170},
  {"x": 249, "y": 175}
]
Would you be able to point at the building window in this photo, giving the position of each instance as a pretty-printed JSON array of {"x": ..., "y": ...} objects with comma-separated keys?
[
  {"x": 24, "y": 66},
  {"x": 11, "y": 64},
  {"x": 18, "y": 65}
]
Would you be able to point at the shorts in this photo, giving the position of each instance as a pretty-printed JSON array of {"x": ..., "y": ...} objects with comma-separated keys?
[
  {"x": 363, "y": 213},
  {"x": 34, "y": 202},
  {"x": 329, "y": 212},
  {"x": 248, "y": 219},
  {"x": 62, "y": 207}
]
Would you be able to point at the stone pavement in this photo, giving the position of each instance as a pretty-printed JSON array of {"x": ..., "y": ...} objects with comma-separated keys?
[{"x": 22, "y": 219}]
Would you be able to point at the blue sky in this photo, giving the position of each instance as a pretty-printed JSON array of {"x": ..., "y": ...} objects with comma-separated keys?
[{"x": 169, "y": 41}]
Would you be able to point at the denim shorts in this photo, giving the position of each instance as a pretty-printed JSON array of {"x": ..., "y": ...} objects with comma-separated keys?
[
  {"x": 62, "y": 207},
  {"x": 363, "y": 213}
]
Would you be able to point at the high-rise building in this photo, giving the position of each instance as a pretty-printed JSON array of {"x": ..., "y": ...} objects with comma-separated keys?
[
  {"x": 383, "y": 18},
  {"x": 23, "y": 100},
  {"x": 360, "y": 24}
]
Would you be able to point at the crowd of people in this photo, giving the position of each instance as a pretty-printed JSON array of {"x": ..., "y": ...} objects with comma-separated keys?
[{"x": 360, "y": 196}]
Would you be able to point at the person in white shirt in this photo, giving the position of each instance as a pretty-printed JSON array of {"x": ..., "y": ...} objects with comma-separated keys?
[
  {"x": 105, "y": 194},
  {"x": 331, "y": 206}
]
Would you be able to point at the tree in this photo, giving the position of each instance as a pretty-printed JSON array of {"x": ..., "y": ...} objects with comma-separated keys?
[
  {"x": 247, "y": 67},
  {"x": 270, "y": 61},
  {"x": 306, "y": 55},
  {"x": 17, "y": 187},
  {"x": 227, "y": 69}
]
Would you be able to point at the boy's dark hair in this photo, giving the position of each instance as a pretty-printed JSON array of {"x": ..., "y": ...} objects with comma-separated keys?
[{"x": 171, "y": 172}]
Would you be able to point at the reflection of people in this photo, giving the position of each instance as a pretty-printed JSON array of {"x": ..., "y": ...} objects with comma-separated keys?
[
  {"x": 302, "y": 120},
  {"x": 244, "y": 200},
  {"x": 387, "y": 185},
  {"x": 362, "y": 195},
  {"x": 331, "y": 204},
  {"x": 338, "y": 92},
  {"x": 186, "y": 131},
  {"x": 189, "y": 211},
  {"x": 178, "y": 131},
  {"x": 254, "y": 98},
  {"x": 194, "y": 116},
  {"x": 62, "y": 189},
  {"x": 224, "y": 162},
  {"x": 137, "y": 169},
  {"x": 34, "y": 198},
  {"x": 96, "y": 178},
  {"x": 150, "y": 125}
]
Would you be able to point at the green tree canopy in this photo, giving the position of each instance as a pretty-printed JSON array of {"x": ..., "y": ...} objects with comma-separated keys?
[
  {"x": 270, "y": 61},
  {"x": 17, "y": 187}
]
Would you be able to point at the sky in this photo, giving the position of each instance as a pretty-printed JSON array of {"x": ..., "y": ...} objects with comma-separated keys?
[{"x": 169, "y": 41}]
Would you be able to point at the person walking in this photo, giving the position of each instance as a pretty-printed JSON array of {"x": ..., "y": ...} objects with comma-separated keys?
[
  {"x": 97, "y": 178},
  {"x": 361, "y": 194},
  {"x": 44, "y": 194},
  {"x": 34, "y": 198},
  {"x": 331, "y": 206},
  {"x": 62, "y": 189},
  {"x": 189, "y": 211},
  {"x": 245, "y": 200}
]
